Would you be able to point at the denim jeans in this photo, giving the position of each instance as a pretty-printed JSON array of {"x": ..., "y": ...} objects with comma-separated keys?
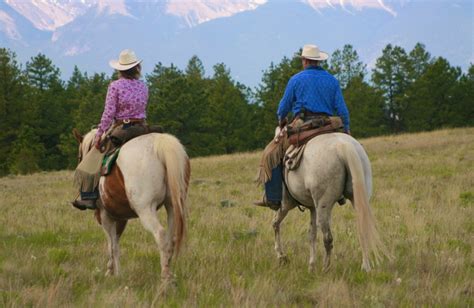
[
  {"x": 274, "y": 187},
  {"x": 89, "y": 195}
]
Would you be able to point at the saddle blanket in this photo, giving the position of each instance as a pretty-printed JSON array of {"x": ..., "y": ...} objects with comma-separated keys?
[{"x": 109, "y": 161}]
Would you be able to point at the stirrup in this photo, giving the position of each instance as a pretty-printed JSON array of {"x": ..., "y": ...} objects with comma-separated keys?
[
  {"x": 272, "y": 205},
  {"x": 84, "y": 205}
]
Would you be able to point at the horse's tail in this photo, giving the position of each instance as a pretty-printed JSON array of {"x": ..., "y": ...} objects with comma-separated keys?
[
  {"x": 368, "y": 235},
  {"x": 178, "y": 170}
]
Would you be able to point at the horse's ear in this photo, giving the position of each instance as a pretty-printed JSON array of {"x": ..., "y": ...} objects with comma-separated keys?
[{"x": 77, "y": 135}]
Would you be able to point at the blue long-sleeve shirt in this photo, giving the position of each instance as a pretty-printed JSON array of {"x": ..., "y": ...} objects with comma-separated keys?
[{"x": 315, "y": 90}]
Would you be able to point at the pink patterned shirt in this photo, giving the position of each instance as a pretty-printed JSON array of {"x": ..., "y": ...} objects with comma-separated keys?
[{"x": 126, "y": 99}]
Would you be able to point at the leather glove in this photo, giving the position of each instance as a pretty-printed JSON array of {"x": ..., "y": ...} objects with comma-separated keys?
[{"x": 283, "y": 122}]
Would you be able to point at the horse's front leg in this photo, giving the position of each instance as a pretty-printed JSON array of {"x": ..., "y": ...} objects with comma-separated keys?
[
  {"x": 113, "y": 229},
  {"x": 279, "y": 216}
]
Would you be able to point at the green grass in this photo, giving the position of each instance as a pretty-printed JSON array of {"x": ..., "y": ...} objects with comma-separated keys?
[{"x": 53, "y": 255}]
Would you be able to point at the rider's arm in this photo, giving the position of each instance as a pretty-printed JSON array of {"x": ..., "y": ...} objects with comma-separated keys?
[
  {"x": 341, "y": 108},
  {"x": 109, "y": 110},
  {"x": 287, "y": 100}
]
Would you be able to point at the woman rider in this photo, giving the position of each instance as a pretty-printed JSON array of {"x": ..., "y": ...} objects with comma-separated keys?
[{"x": 124, "y": 117}]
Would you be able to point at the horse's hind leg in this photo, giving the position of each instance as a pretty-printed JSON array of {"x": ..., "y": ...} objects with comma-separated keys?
[
  {"x": 312, "y": 239},
  {"x": 170, "y": 242},
  {"x": 150, "y": 222},
  {"x": 113, "y": 229},
  {"x": 324, "y": 220}
]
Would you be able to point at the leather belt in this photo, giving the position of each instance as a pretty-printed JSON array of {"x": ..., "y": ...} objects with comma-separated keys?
[
  {"x": 127, "y": 121},
  {"x": 315, "y": 114}
]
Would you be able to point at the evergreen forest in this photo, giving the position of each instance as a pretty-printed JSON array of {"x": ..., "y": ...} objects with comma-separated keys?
[{"x": 212, "y": 114}]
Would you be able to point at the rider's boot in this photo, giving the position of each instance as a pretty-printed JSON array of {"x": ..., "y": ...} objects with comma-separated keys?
[
  {"x": 270, "y": 204},
  {"x": 87, "y": 201}
]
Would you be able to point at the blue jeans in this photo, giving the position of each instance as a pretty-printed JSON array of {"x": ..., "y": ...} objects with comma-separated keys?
[
  {"x": 274, "y": 187},
  {"x": 89, "y": 195}
]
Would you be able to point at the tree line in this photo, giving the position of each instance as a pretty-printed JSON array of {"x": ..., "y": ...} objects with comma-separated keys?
[{"x": 213, "y": 114}]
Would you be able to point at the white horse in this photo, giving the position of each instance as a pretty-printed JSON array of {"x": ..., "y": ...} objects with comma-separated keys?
[
  {"x": 332, "y": 165},
  {"x": 151, "y": 171}
]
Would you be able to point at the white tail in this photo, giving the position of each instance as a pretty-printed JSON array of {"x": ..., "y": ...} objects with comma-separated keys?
[
  {"x": 176, "y": 161},
  {"x": 368, "y": 235}
]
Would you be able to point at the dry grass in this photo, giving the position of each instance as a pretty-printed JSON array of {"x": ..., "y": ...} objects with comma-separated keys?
[{"x": 53, "y": 255}]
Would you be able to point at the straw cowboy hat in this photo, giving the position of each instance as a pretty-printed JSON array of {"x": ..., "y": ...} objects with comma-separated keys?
[
  {"x": 127, "y": 60},
  {"x": 312, "y": 52}
]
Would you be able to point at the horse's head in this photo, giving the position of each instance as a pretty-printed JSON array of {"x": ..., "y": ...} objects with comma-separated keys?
[{"x": 85, "y": 142}]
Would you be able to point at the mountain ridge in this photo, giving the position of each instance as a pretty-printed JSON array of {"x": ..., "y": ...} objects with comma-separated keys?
[{"x": 247, "y": 41}]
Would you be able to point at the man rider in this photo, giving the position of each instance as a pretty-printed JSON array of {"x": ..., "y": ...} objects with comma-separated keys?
[{"x": 311, "y": 92}]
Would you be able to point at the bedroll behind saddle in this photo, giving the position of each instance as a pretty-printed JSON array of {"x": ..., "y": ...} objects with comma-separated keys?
[{"x": 309, "y": 129}]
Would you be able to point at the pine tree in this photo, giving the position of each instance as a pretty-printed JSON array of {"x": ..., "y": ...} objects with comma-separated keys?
[
  {"x": 27, "y": 152},
  {"x": 200, "y": 133},
  {"x": 345, "y": 65},
  {"x": 84, "y": 102},
  {"x": 366, "y": 107},
  {"x": 431, "y": 97},
  {"x": 391, "y": 76},
  {"x": 269, "y": 94},
  {"x": 420, "y": 60},
  {"x": 462, "y": 107},
  {"x": 229, "y": 112},
  {"x": 168, "y": 102},
  {"x": 51, "y": 117},
  {"x": 12, "y": 97}
]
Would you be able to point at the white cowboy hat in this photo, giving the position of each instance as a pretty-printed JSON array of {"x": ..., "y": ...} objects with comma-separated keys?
[
  {"x": 127, "y": 60},
  {"x": 312, "y": 52}
]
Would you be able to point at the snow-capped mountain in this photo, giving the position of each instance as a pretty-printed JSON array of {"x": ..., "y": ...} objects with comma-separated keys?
[
  {"x": 52, "y": 14},
  {"x": 49, "y": 14},
  {"x": 349, "y": 6},
  {"x": 246, "y": 35}
]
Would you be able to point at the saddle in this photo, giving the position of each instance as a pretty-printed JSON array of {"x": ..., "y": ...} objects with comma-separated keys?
[
  {"x": 313, "y": 127},
  {"x": 124, "y": 131},
  {"x": 118, "y": 136}
]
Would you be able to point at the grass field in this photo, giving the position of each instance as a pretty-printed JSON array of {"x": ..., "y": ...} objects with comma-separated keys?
[{"x": 53, "y": 255}]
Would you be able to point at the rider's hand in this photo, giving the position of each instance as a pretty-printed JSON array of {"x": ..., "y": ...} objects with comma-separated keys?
[
  {"x": 282, "y": 122},
  {"x": 97, "y": 143}
]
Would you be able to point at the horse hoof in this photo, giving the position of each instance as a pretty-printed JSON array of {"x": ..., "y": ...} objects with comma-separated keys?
[
  {"x": 366, "y": 267},
  {"x": 284, "y": 260},
  {"x": 167, "y": 284}
]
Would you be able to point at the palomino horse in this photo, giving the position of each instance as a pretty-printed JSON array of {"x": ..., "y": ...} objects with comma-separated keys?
[
  {"x": 332, "y": 165},
  {"x": 151, "y": 171}
]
